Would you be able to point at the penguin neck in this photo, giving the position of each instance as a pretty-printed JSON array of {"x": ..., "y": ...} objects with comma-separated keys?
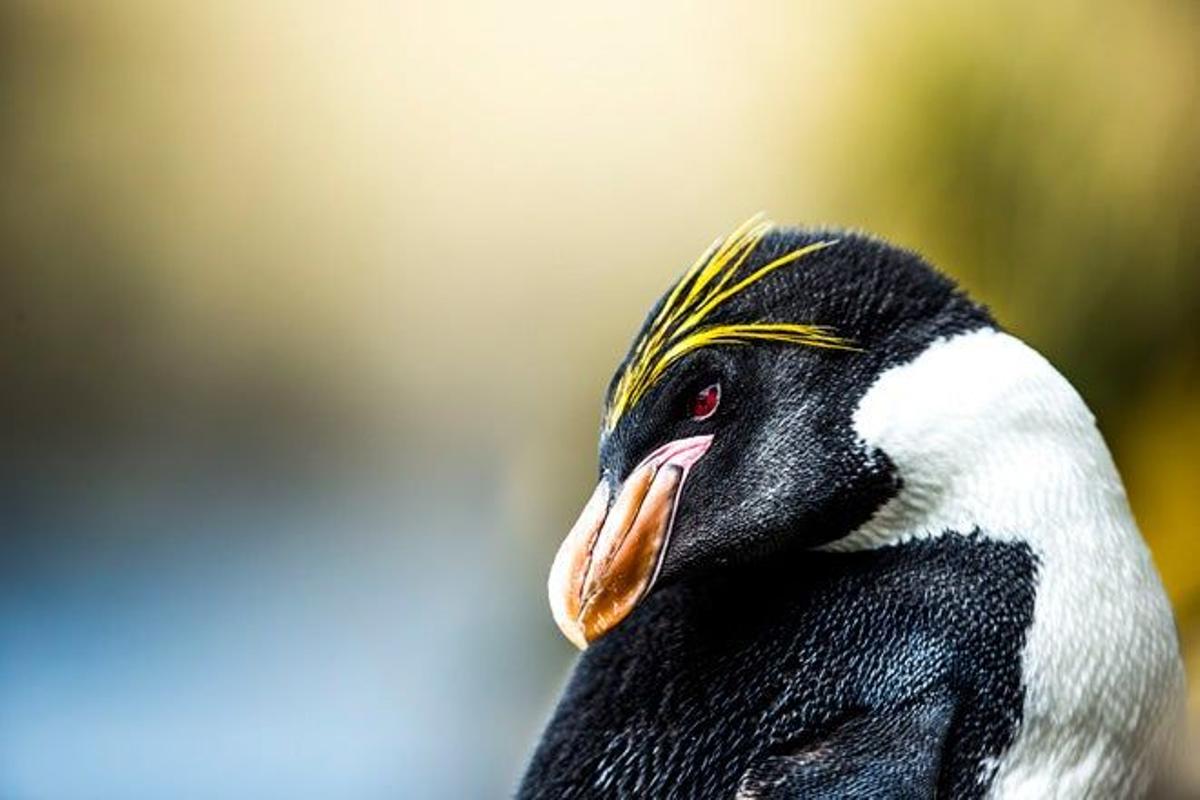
[
  {"x": 988, "y": 438},
  {"x": 985, "y": 434}
]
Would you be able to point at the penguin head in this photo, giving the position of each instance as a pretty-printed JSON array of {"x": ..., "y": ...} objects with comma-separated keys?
[{"x": 728, "y": 431}]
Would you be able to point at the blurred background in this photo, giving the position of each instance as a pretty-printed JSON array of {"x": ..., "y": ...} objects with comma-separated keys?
[{"x": 306, "y": 310}]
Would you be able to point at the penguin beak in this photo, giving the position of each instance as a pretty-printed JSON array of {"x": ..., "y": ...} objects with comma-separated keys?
[{"x": 614, "y": 552}]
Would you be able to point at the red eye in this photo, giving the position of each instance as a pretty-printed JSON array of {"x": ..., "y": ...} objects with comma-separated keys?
[{"x": 705, "y": 402}]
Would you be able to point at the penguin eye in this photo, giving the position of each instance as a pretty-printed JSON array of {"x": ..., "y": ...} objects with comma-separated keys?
[{"x": 704, "y": 403}]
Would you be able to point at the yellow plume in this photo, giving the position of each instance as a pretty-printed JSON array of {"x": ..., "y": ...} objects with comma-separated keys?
[{"x": 677, "y": 329}]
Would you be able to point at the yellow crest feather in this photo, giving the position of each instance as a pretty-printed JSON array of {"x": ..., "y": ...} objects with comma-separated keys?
[{"x": 678, "y": 327}]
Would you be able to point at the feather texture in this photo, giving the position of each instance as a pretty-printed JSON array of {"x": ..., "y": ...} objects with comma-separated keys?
[{"x": 679, "y": 326}]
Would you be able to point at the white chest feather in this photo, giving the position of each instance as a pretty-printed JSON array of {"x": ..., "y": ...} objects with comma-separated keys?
[{"x": 987, "y": 435}]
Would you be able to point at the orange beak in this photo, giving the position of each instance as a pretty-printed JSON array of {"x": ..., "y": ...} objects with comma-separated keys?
[{"x": 612, "y": 555}]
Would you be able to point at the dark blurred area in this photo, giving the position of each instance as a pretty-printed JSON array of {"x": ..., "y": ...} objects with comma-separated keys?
[{"x": 306, "y": 311}]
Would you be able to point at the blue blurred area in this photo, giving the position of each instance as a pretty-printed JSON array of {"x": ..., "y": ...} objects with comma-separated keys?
[{"x": 238, "y": 641}]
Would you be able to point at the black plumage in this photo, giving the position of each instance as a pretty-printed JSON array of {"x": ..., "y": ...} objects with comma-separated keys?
[
  {"x": 730, "y": 681},
  {"x": 757, "y": 664}
]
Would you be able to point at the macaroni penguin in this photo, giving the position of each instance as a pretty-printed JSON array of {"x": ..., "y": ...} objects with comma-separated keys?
[{"x": 851, "y": 539}]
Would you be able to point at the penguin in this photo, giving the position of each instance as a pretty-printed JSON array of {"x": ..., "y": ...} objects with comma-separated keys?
[{"x": 851, "y": 538}]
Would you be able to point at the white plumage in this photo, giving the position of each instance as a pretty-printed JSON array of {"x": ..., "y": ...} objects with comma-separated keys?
[{"x": 986, "y": 435}]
